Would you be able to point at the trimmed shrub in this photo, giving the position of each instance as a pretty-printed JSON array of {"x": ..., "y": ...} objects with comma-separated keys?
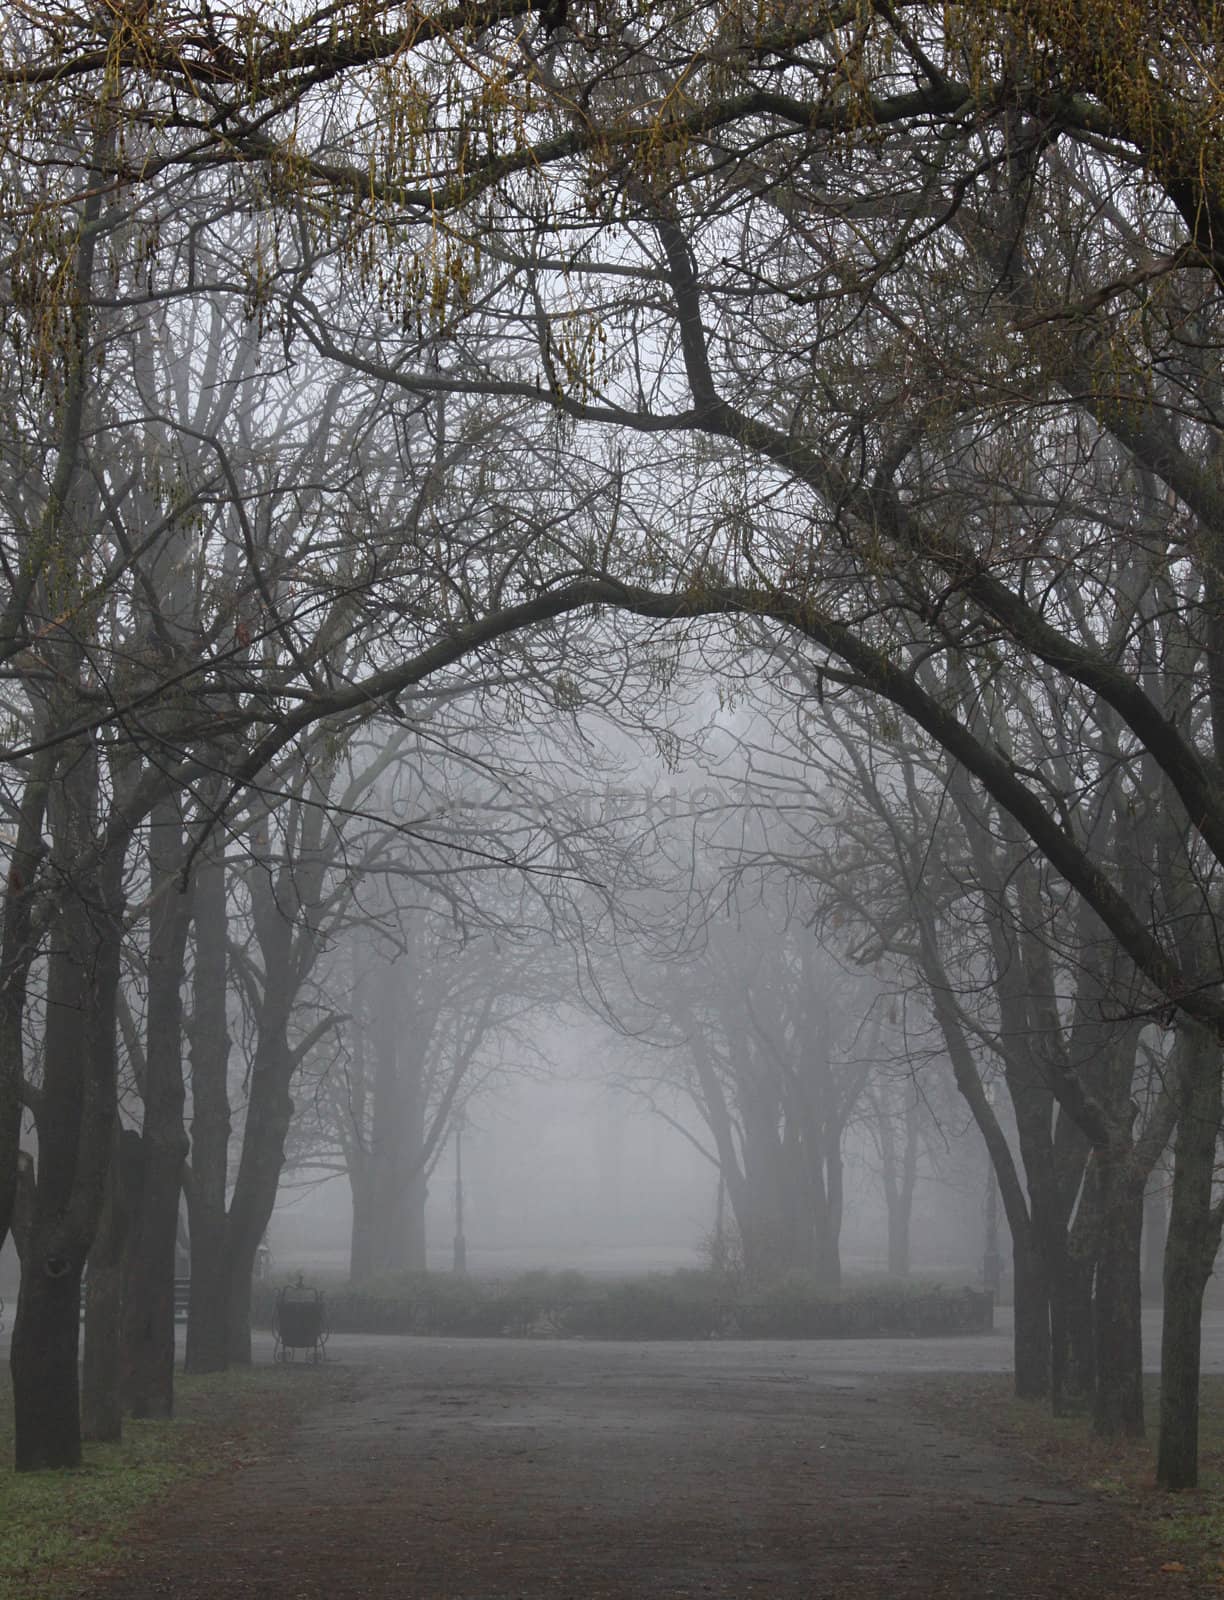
[
  {"x": 798, "y": 1308},
  {"x": 677, "y": 1305}
]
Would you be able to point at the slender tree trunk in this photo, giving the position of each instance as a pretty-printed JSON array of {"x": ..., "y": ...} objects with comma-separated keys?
[
  {"x": 283, "y": 912},
  {"x": 269, "y": 1112},
  {"x": 1030, "y": 1283},
  {"x": 208, "y": 1310},
  {"x": 826, "y": 1189},
  {"x": 409, "y": 1182},
  {"x": 148, "y": 1325},
  {"x": 1189, "y": 1254},
  {"x": 390, "y": 1135},
  {"x": 1078, "y": 1267},
  {"x": 992, "y": 1258},
  {"x": 900, "y": 1177},
  {"x": 356, "y": 1141}
]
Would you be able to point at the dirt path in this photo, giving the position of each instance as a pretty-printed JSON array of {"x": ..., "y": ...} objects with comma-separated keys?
[{"x": 482, "y": 1470}]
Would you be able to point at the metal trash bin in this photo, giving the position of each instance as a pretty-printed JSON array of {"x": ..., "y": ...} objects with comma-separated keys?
[{"x": 299, "y": 1322}]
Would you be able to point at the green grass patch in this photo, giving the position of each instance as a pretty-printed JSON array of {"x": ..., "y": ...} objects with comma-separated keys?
[
  {"x": 60, "y": 1526},
  {"x": 1184, "y": 1532}
]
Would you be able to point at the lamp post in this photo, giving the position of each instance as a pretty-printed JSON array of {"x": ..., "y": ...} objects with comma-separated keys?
[{"x": 459, "y": 1260}]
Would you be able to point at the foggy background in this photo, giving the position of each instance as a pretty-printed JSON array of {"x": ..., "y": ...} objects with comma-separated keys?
[{"x": 573, "y": 1170}]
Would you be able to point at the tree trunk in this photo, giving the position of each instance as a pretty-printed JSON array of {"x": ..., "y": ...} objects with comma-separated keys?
[
  {"x": 1117, "y": 1308},
  {"x": 238, "y": 1333},
  {"x": 17, "y": 949},
  {"x": 43, "y": 1360},
  {"x": 1079, "y": 1367},
  {"x": 362, "y": 1238},
  {"x": 1180, "y": 1356},
  {"x": 899, "y": 1215},
  {"x": 1032, "y": 1321},
  {"x": 1155, "y": 1229},
  {"x": 208, "y": 1310},
  {"x": 992, "y": 1257},
  {"x": 1070, "y": 1319},
  {"x": 900, "y": 1177},
  {"x": 269, "y": 1112},
  {"x": 101, "y": 1404},
  {"x": 826, "y": 1251},
  {"x": 288, "y": 953},
  {"x": 46, "y": 1330},
  {"x": 75, "y": 1132},
  {"x": 1076, "y": 1363},
  {"x": 1189, "y": 1254},
  {"x": 148, "y": 1325},
  {"x": 148, "y": 1322},
  {"x": 415, "y": 1259}
]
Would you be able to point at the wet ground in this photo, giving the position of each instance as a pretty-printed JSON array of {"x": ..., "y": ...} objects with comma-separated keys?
[
  {"x": 515, "y": 1469},
  {"x": 988, "y": 1352}
]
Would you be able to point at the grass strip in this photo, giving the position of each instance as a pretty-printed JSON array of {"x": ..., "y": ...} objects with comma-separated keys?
[
  {"x": 59, "y": 1527},
  {"x": 1184, "y": 1532}
]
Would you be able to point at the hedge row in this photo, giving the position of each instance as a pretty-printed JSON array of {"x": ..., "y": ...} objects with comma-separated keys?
[{"x": 677, "y": 1305}]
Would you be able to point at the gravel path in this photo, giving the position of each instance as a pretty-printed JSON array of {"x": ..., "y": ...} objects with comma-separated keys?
[{"x": 511, "y": 1470}]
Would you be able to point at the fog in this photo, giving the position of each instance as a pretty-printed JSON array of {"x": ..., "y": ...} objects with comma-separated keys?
[{"x": 575, "y": 1171}]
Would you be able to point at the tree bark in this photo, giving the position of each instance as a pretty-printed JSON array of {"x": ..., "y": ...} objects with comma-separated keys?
[
  {"x": 148, "y": 1319},
  {"x": 362, "y": 1236},
  {"x": 17, "y": 948},
  {"x": 43, "y": 1361},
  {"x": 900, "y": 1180},
  {"x": 284, "y": 909},
  {"x": 1079, "y": 1365},
  {"x": 208, "y": 1309},
  {"x": 1031, "y": 1329},
  {"x": 269, "y": 1113},
  {"x": 101, "y": 1400},
  {"x": 1189, "y": 1255},
  {"x": 826, "y": 1261},
  {"x": 414, "y": 1258},
  {"x": 1155, "y": 1231},
  {"x": 399, "y": 1183},
  {"x": 1117, "y": 1304},
  {"x": 1077, "y": 1266},
  {"x": 76, "y": 1119},
  {"x": 1030, "y": 1281}
]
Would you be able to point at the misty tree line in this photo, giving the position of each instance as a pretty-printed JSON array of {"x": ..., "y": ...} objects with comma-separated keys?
[{"x": 380, "y": 380}]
